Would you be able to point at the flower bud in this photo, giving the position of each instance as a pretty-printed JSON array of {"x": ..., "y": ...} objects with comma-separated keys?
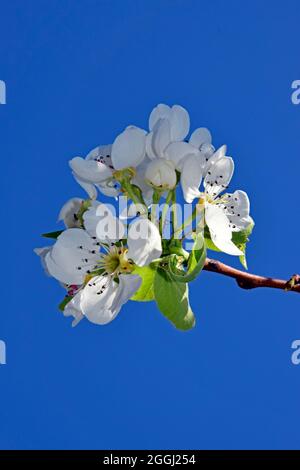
[{"x": 161, "y": 174}]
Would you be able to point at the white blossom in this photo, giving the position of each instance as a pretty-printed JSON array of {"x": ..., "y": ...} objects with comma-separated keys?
[{"x": 102, "y": 270}]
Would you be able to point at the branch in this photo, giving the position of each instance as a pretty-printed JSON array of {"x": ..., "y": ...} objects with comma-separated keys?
[{"x": 251, "y": 281}]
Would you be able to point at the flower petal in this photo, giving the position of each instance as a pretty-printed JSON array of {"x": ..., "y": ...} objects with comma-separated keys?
[
  {"x": 150, "y": 152},
  {"x": 97, "y": 298},
  {"x": 161, "y": 111},
  {"x": 128, "y": 149},
  {"x": 42, "y": 252},
  {"x": 217, "y": 155},
  {"x": 218, "y": 176},
  {"x": 180, "y": 123},
  {"x": 128, "y": 285},
  {"x": 200, "y": 136},
  {"x": 88, "y": 187},
  {"x": 178, "y": 151},
  {"x": 73, "y": 309},
  {"x": 161, "y": 137},
  {"x": 144, "y": 242},
  {"x": 237, "y": 209},
  {"x": 73, "y": 256},
  {"x": 90, "y": 171},
  {"x": 191, "y": 177},
  {"x": 100, "y": 222},
  {"x": 220, "y": 231},
  {"x": 177, "y": 117}
]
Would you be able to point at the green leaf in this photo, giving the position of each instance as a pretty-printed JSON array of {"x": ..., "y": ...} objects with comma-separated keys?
[
  {"x": 54, "y": 235},
  {"x": 195, "y": 263},
  {"x": 64, "y": 302},
  {"x": 198, "y": 254},
  {"x": 145, "y": 293},
  {"x": 242, "y": 258},
  {"x": 240, "y": 239},
  {"x": 172, "y": 299}
]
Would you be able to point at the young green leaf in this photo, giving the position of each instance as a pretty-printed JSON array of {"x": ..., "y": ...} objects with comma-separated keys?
[
  {"x": 195, "y": 263},
  {"x": 240, "y": 239},
  {"x": 54, "y": 235},
  {"x": 172, "y": 299}
]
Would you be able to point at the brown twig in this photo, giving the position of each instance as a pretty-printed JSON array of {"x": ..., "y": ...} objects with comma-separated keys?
[{"x": 251, "y": 281}]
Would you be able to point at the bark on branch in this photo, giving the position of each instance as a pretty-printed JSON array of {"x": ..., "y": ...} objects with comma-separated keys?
[{"x": 251, "y": 281}]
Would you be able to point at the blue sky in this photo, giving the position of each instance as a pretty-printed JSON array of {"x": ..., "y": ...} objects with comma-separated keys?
[{"x": 76, "y": 74}]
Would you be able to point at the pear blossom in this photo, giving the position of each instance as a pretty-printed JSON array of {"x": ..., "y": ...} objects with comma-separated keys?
[
  {"x": 225, "y": 213},
  {"x": 194, "y": 168},
  {"x": 95, "y": 172},
  {"x": 96, "y": 259},
  {"x": 101, "y": 269},
  {"x": 69, "y": 211},
  {"x": 165, "y": 146}
]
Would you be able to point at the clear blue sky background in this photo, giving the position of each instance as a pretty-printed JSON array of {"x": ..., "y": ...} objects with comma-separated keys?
[{"x": 77, "y": 72}]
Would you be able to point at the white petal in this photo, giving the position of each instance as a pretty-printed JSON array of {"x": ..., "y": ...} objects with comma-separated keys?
[
  {"x": 237, "y": 208},
  {"x": 219, "y": 229},
  {"x": 73, "y": 256},
  {"x": 191, "y": 177},
  {"x": 42, "y": 252},
  {"x": 61, "y": 272},
  {"x": 128, "y": 149},
  {"x": 180, "y": 123},
  {"x": 161, "y": 111},
  {"x": 69, "y": 212},
  {"x": 100, "y": 222},
  {"x": 144, "y": 242},
  {"x": 89, "y": 170},
  {"x": 97, "y": 299},
  {"x": 200, "y": 136},
  {"x": 150, "y": 152},
  {"x": 88, "y": 187},
  {"x": 178, "y": 151},
  {"x": 128, "y": 285},
  {"x": 161, "y": 173},
  {"x": 218, "y": 176},
  {"x": 73, "y": 309},
  {"x": 217, "y": 155},
  {"x": 207, "y": 151},
  {"x": 161, "y": 137}
]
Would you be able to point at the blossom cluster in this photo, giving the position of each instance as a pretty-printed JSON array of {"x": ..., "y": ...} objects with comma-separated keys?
[{"x": 103, "y": 259}]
